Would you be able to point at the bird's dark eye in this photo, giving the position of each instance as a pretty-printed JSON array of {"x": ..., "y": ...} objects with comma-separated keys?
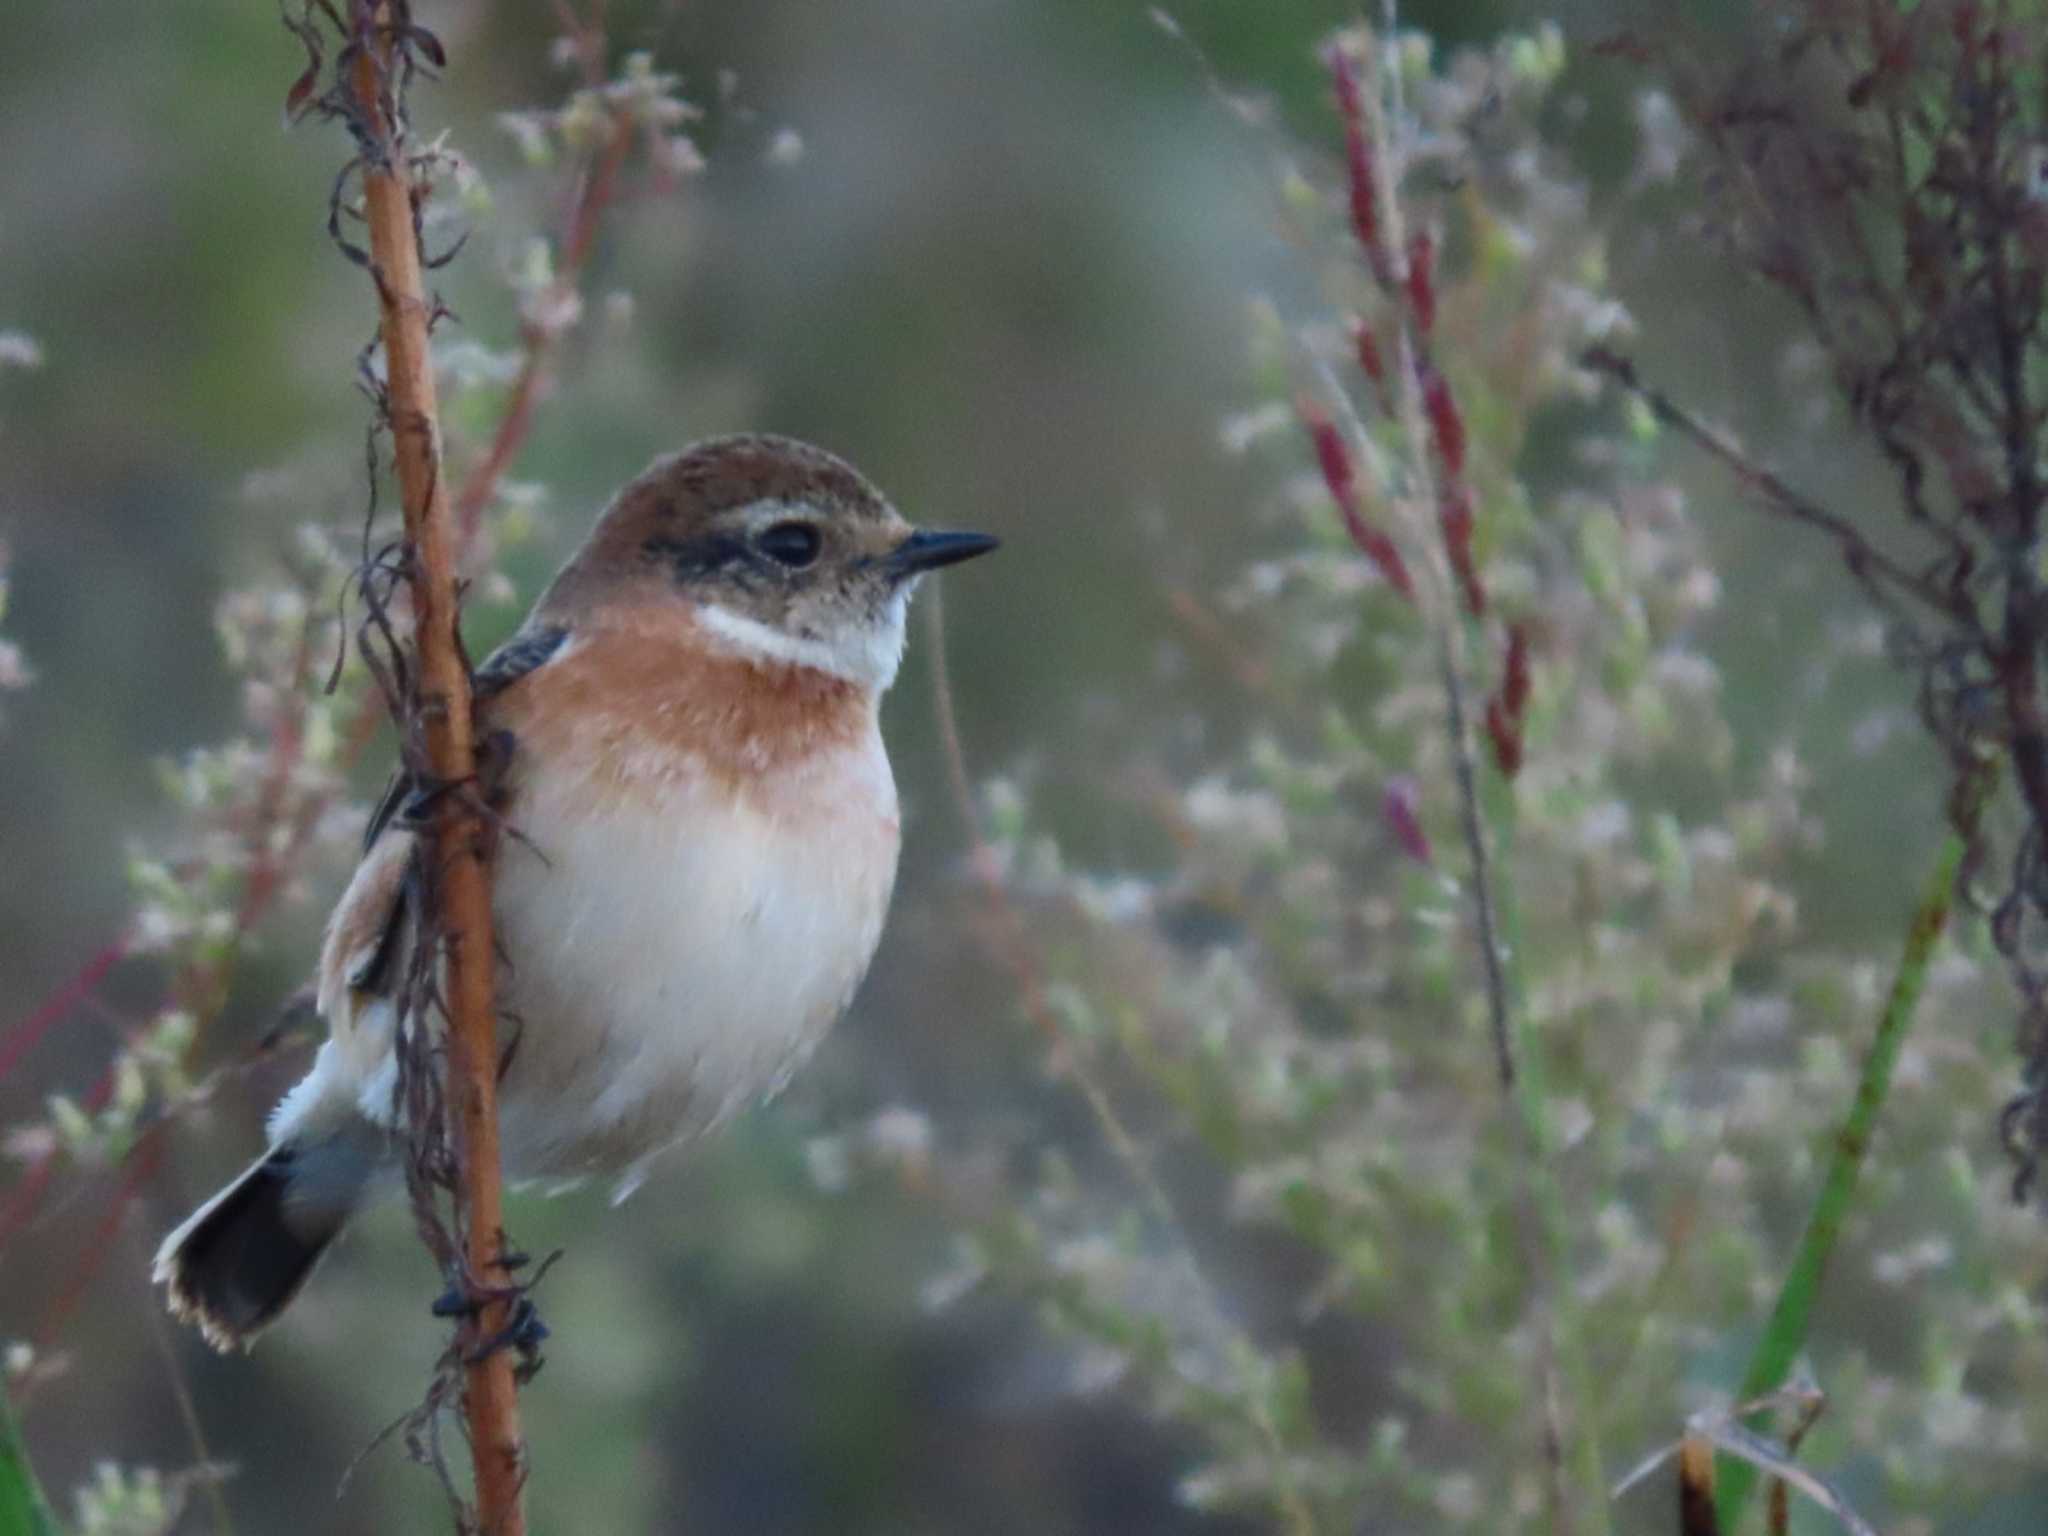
[{"x": 792, "y": 544}]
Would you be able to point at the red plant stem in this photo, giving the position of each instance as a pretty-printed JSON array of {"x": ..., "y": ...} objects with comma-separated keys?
[
  {"x": 1455, "y": 517},
  {"x": 142, "y": 1161},
  {"x": 27, "y": 1197},
  {"x": 24, "y": 1037},
  {"x": 206, "y": 986},
  {"x": 1253, "y": 675},
  {"x": 588, "y": 37},
  {"x": 594, "y": 197},
  {"x": 29, "y": 1192}
]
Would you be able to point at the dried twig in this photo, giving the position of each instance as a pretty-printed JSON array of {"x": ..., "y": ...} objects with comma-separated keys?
[
  {"x": 440, "y": 730},
  {"x": 1870, "y": 565},
  {"x": 1881, "y": 167}
]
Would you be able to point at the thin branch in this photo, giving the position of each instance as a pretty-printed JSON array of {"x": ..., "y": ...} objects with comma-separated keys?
[
  {"x": 23, "y": 1037},
  {"x": 1867, "y": 562},
  {"x": 459, "y": 838},
  {"x": 1470, "y": 822}
]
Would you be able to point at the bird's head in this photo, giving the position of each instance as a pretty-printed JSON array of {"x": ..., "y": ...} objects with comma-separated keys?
[{"x": 784, "y": 554}]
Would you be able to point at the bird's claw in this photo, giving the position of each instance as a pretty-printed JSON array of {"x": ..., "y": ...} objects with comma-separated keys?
[{"x": 523, "y": 1331}]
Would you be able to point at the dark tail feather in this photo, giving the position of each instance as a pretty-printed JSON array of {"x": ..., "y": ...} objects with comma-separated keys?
[{"x": 240, "y": 1258}]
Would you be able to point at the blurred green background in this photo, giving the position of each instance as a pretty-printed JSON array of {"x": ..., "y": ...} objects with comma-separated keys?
[{"x": 1008, "y": 277}]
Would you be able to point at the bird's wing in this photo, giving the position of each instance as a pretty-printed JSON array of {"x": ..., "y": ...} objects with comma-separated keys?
[
  {"x": 517, "y": 658},
  {"x": 368, "y": 939}
]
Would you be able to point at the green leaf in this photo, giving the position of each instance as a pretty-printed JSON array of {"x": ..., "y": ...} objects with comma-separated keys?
[
  {"x": 1786, "y": 1333},
  {"x": 23, "y": 1509}
]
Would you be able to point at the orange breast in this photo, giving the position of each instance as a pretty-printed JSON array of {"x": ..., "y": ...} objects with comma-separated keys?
[{"x": 645, "y": 697}]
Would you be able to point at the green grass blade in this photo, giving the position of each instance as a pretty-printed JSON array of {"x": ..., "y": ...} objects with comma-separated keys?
[
  {"x": 23, "y": 1509},
  {"x": 1785, "y": 1335}
]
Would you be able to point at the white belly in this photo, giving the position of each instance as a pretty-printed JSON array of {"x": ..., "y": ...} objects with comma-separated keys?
[{"x": 676, "y": 955}]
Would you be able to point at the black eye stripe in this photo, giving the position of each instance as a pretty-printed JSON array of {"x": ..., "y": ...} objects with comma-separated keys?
[{"x": 699, "y": 557}]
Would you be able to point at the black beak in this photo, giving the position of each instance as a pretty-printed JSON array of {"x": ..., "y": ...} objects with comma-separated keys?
[{"x": 928, "y": 549}]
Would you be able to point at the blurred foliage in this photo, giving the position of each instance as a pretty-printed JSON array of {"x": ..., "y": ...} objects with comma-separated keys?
[
  {"x": 1293, "y": 1005},
  {"x": 1161, "y": 1179}
]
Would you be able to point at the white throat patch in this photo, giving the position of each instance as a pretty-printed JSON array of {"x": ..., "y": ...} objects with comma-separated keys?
[{"x": 867, "y": 654}]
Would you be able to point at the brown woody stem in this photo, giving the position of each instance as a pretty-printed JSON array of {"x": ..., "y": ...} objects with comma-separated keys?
[{"x": 458, "y": 839}]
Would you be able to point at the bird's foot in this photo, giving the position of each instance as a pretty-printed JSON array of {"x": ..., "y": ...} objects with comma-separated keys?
[
  {"x": 482, "y": 791},
  {"x": 523, "y": 1330}
]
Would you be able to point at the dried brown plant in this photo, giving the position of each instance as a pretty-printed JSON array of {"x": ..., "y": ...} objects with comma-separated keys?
[{"x": 1885, "y": 169}]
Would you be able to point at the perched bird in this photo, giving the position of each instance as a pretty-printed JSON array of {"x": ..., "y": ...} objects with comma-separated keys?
[{"x": 707, "y": 838}]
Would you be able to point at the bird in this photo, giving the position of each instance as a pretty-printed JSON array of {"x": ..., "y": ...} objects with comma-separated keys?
[{"x": 706, "y": 843}]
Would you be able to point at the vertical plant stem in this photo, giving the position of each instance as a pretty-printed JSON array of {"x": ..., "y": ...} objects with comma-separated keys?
[
  {"x": 1785, "y": 1335},
  {"x": 1532, "y": 1108},
  {"x": 458, "y": 837},
  {"x": 1487, "y": 814},
  {"x": 1500, "y": 1003},
  {"x": 1486, "y": 806}
]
